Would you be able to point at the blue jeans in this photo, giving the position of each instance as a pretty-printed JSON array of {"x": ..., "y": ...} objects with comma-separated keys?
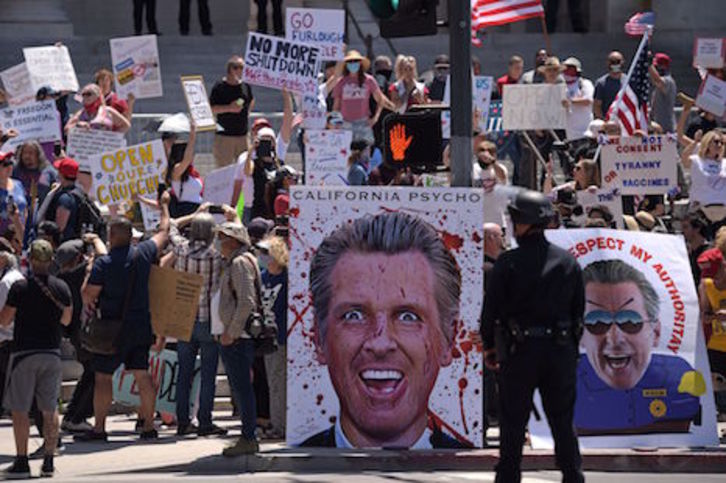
[
  {"x": 237, "y": 359},
  {"x": 187, "y": 353}
]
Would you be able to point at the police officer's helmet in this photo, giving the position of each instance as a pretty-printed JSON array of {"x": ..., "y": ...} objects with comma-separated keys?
[{"x": 531, "y": 208}]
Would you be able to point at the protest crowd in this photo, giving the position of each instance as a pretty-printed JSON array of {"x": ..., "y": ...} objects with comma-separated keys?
[{"x": 95, "y": 234}]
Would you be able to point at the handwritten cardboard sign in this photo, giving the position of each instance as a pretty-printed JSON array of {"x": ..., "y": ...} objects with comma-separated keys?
[
  {"x": 51, "y": 66},
  {"x": 16, "y": 82},
  {"x": 324, "y": 28},
  {"x": 173, "y": 301},
  {"x": 84, "y": 144},
  {"x": 533, "y": 106},
  {"x": 198, "y": 102},
  {"x": 136, "y": 68},
  {"x": 37, "y": 121},
  {"x": 709, "y": 53},
  {"x": 326, "y": 157},
  {"x": 712, "y": 96},
  {"x": 278, "y": 63}
]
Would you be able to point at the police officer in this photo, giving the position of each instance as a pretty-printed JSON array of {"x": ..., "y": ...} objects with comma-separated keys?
[{"x": 530, "y": 327}]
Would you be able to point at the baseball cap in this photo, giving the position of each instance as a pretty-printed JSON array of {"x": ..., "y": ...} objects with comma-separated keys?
[
  {"x": 6, "y": 155},
  {"x": 662, "y": 59},
  {"x": 335, "y": 118},
  {"x": 442, "y": 60},
  {"x": 260, "y": 123},
  {"x": 68, "y": 251},
  {"x": 266, "y": 132},
  {"x": 41, "y": 251},
  {"x": 68, "y": 167},
  {"x": 259, "y": 227},
  {"x": 234, "y": 230},
  {"x": 710, "y": 261},
  {"x": 573, "y": 62}
]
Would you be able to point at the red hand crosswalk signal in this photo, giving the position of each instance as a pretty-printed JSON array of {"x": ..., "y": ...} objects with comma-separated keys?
[{"x": 405, "y": 18}]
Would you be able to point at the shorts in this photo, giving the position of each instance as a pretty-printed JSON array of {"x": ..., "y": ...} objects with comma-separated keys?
[
  {"x": 33, "y": 375},
  {"x": 134, "y": 358}
]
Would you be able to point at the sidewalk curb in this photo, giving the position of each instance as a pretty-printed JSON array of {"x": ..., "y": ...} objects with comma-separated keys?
[{"x": 331, "y": 460}]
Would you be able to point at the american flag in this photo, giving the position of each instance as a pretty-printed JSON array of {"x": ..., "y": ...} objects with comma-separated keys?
[
  {"x": 631, "y": 104},
  {"x": 640, "y": 23},
  {"x": 487, "y": 13}
]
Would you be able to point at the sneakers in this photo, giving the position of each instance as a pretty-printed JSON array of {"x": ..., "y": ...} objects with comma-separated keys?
[
  {"x": 72, "y": 427},
  {"x": 47, "y": 470},
  {"x": 90, "y": 436},
  {"x": 186, "y": 429},
  {"x": 149, "y": 435},
  {"x": 212, "y": 430},
  {"x": 19, "y": 470},
  {"x": 243, "y": 446}
]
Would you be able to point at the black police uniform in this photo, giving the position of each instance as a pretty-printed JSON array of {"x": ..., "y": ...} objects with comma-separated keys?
[{"x": 536, "y": 295}]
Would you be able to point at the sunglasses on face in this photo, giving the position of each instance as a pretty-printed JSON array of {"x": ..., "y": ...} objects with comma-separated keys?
[
  {"x": 87, "y": 94},
  {"x": 236, "y": 67},
  {"x": 598, "y": 322},
  {"x": 717, "y": 142}
]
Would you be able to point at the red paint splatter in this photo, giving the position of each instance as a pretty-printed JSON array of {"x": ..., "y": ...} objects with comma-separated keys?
[
  {"x": 434, "y": 421},
  {"x": 475, "y": 237},
  {"x": 462, "y": 385},
  {"x": 455, "y": 353},
  {"x": 463, "y": 382},
  {"x": 333, "y": 419},
  {"x": 294, "y": 212},
  {"x": 452, "y": 241}
]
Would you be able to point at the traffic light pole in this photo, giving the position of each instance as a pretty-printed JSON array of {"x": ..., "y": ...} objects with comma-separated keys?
[{"x": 461, "y": 122}]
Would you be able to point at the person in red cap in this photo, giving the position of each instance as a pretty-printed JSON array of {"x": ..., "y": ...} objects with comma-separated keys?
[
  {"x": 62, "y": 205},
  {"x": 13, "y": 204},
  {"x": 663, "y": 101}
]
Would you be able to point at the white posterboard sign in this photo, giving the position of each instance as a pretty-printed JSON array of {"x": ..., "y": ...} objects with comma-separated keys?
[
  {"x": 51, "y": 66},
  {"x": 709, "y": 53},
  {"x": 119, "y": 175},
  {"x": 278, "y": 63},
  {"x": 481, "y": 95},
  {"x": 38, "y": 121},
  {"x": 326, "y": 157},
  {"x": 136, "y": 68},
  {"x": 314, "y": 115},
  {"x": 219, "y": 188},
  {"x": 84, "y": 144},
  {"x": 533, "y": 106},
  {"x": 640, "y": 165},
  {"x": 151, "y": 217},
  {"x": 198, "y": 102},
  {"x": 16, "y": 82},
  {"x": 324, "y": 28},
  {"x": 712, "y": 96},
  {"x": 606, "y": 199}
]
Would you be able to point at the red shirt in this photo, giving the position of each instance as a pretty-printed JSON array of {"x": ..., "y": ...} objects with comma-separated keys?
[
  {"x": 504, "y": 80},
  {"x": 112, "y": 100}
]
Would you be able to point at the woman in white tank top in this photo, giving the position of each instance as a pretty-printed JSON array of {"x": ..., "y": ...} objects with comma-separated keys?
[{"x": 708, "y": 169}]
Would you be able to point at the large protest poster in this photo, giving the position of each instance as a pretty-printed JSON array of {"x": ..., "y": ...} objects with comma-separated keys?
[
  {"x": 607, "y": 200},
  {"x": 219, "y": 188},
  {"x": 324, "y": 28},
  {"x": 647, "y": 381},
  {"x": 136, "y": 68},
  {"x": 278, "y": 63},
  {"x": 198, "y": 102},
  {"x": 37, "y": 121},
  {"x": 375, "y": 297},
  {"x": 709, "y": 53},
  {"x": 326, "y": 157},
  {"x": 84, "y": 144},
  {"x": 164, "y": 370},
  {"x": 533, "y": 106},
  {"x": 118, "y": 175},
  {"x": 712, "y": 95},
  {"x": 174, "y": 301},
  {"x": 481, "y": 94},
  {"x": 51, "y": 66},
  {"x": 16, "y": 82},
  {"x": 640, "y": 165}
]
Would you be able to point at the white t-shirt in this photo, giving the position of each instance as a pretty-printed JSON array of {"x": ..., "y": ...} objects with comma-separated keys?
[
  {"x": 248, "y": 185},
  {"x": 579, "y": 117},
  {"x": 10, "y": 277},
  {"x": 485, "y": 178},
  {"x": 192, "y": 191},
  {"x": 708, "y": 181}
]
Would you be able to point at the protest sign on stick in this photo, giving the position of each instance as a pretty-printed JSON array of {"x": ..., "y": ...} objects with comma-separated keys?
[
  {"x": 712, "y": 96},
  {"x": 198, "y": 102},
  {"x": 173, "y": 301},
  {"x": 51, "y": 66},
  {"x": 640, "y": 165},
  {"x": 16, "y": 82},
  {"x": 278, "y": 63},
  {"x": 324, "y": 28},
  {"x": 709, "y": 53},
  {"x": 84, "y": 144},
  {"x": 118, "y": 175},
  {"x": 37, "y": 121},
  {"x": 136, "y": 68},
  {"x": 326, "y": 157},
  {"x": 533, "y": 106}
]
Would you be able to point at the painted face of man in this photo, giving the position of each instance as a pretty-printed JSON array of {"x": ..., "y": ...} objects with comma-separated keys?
[
  {"x": 383, "y": 345},
  {"x": 618, "y": 336}
]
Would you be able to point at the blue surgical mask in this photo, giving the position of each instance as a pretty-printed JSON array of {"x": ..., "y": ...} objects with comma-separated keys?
[{"x": 353, "y": 67}]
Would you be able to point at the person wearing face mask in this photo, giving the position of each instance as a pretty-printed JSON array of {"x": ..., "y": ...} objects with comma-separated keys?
[
  {"x": 663, "y": 101},
  {"x": 487, "y": 172},
  {"x": 95, "y": 114},
  {"x": 578, "y": 103},
  {"x": 608, "y": 86},
  {"x": 352, "y": 94},
  {"x": 437, "y": 85},
  {"x": 358, "y": 162},
  {"x": 536, "y": 76}
]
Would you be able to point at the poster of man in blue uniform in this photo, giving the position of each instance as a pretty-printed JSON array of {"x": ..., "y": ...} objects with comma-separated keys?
[{"x": 643, "y": 377}]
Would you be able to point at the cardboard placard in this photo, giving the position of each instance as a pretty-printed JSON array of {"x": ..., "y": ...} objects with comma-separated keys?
[
  {"x": 173, "y": 301},
  {"x": 37, "y": 121},
  {"x": 16, "y": 82},
  {"x": 324, "y": 28},
  {"x": 606, "y": 198},
  {"x": 136, "y": 68},
  {"x": 278, "y": 63},
  {"x": 117, "y": 175},
  {"x": 51, "y": 66},
  {"x": 640, "y": 166},
  {"x": 84, "y": 144},
  {"x": 712, "y": 96},
  {"x": 198, "y": 102},
  {"x": 533, "y": 106},
  {"x": 481, "y": 94},
  {"x": 326, "y": 157},
  {"x": 709, "y": 53}
]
